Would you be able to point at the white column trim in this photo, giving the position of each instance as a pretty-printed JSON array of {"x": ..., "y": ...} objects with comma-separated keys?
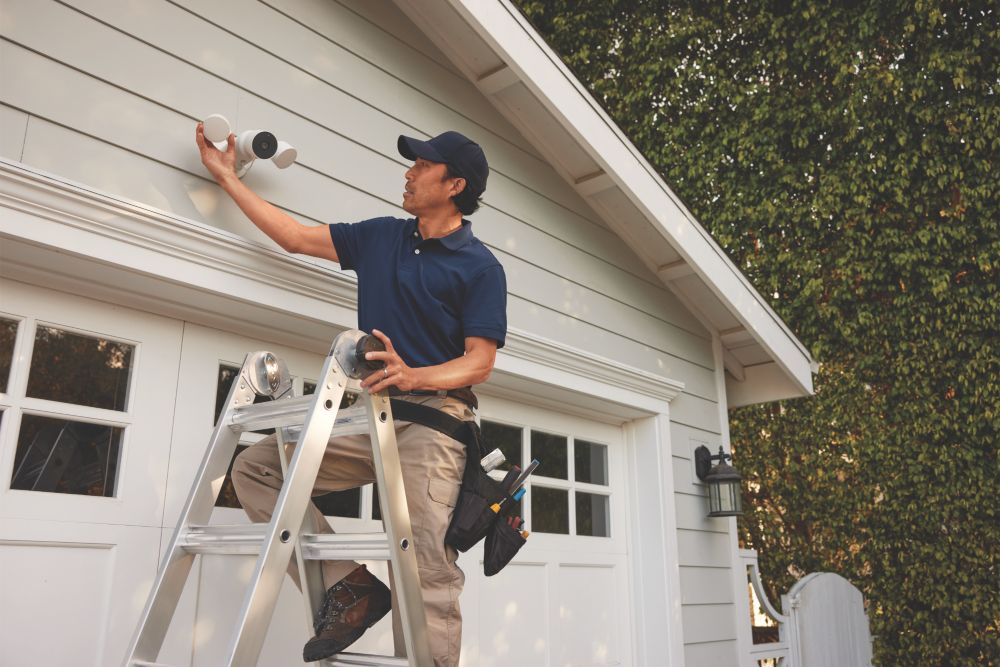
[{"x": 744, "y": 639}]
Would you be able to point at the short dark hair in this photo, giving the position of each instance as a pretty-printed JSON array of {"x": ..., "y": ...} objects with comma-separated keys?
[{"x": 467, "y": 201}]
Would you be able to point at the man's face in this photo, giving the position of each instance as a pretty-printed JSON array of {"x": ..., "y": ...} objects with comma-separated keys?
[{"x": 428, "y": 189}]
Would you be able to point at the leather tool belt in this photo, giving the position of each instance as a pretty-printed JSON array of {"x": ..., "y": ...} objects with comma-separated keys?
[{"x": 464, "y": 394}]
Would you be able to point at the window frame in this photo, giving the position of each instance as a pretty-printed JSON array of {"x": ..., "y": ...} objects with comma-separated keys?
[
  {"x": 15, "y": 403},
  {"x": 615, "y": 494}
]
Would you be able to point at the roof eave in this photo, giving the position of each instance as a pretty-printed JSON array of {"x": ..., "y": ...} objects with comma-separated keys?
[{"x": 520, "y": 55}]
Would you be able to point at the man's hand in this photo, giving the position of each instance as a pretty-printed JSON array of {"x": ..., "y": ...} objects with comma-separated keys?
[
  {"x": 220, "y": 165},
  {"x": 395, "y": 374}
]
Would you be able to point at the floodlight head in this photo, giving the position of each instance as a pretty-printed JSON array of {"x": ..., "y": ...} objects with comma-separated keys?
[
  {"x": 285, "y": 155},
  {"x": 216, "y": 128}
]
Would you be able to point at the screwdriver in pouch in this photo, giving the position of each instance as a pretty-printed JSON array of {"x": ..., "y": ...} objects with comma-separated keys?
[{"x": 516, "y": 497}]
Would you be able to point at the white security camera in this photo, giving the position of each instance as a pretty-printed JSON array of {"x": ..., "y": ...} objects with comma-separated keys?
[
  {"x": 250, "y": 145},
  {"x": 253, "y": 144}
]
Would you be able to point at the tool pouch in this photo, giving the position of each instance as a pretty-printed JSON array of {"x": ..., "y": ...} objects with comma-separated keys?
[
  {"x": 502, "y": 543},
  {"x": 474, "y": 517}
]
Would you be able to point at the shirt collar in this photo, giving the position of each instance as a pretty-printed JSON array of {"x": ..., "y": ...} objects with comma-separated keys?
[
  {"x": 456, "y": 239},
  {"x": 459, "y": 237}
]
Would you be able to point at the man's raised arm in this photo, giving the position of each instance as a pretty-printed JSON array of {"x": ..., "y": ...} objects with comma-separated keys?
[{"x": 284, "y": 230}]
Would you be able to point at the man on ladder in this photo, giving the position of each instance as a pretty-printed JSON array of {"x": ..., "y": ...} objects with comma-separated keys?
[{"x": 436, "y": 297}]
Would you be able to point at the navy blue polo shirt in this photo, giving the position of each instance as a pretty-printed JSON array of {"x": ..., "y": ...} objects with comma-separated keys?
[{"x": 427, "y": 295}]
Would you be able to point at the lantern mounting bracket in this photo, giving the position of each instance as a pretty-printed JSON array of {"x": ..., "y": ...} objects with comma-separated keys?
[{"x": 703, "y": 458}]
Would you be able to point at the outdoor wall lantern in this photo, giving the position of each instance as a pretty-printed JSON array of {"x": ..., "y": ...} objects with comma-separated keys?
[{"x": 723, "y": 481}]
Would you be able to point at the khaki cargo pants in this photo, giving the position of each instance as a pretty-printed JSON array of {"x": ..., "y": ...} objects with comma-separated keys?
[{"x": 432, "y": 466}]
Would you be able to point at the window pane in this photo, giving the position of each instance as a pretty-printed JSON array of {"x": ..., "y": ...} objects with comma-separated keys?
[
  {"x": 549, "y": 510},
  {"x": 8, "y": 334},
  {"x": 505, "y": 438},
  {"x": 77, "y": 369},
  {"x": 224, "y": 382},
  {"x": 376, "y": 504},
  {"x": 550, "y": 450},
  {"x": 227, "y": 495},
  {"x": 63, "y": 456},
  {"x": 340, "y": 503},
  {"x": 592, "y": 516},
  {"x": 591, "y": 461}
]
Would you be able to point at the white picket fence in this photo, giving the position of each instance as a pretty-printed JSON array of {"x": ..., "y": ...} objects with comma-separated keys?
[{"x": 823, "y": 625}]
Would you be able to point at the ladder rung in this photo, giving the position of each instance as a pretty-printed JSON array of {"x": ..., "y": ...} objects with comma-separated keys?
[
  {"x": 146, "y": 663},
  {"x": 345, "y": 546},
  {"x": 353, "y": 659},
  {"x": 238, "y": 539},
  {"x": 246, "y": 539},
  {"x": 292, "y": 412}
]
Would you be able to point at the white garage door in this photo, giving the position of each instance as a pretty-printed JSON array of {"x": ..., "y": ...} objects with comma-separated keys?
[
  {"x": 86, "y": 394},
  {"x": 104, "y": 416},
  {"x": 564, "y": 600}
]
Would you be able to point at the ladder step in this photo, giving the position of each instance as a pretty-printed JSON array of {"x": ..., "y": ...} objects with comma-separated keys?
[
  {"x": 245, "y": 539},
  {"x": 242, "y": 539},
  {"x": 345, "y": 546},
  {"x": 292, "y": 412},
  {"x": 353, "y": 659}
]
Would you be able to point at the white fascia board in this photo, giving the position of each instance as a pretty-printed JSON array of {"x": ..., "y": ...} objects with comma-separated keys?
[{"x": 507, "y": 32}]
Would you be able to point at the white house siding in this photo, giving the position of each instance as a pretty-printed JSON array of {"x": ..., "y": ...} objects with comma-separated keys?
[{"x": 107, "y": 93}]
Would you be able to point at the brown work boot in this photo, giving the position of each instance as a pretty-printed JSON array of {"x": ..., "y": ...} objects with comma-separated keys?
[{"x": 351, "y": 606}]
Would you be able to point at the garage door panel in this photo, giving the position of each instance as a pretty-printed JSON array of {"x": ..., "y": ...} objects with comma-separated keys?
[
  {"x": 589, "y": 607},
  {"x": 514, "y": 619},
  {"x": 41, "y": 587}
]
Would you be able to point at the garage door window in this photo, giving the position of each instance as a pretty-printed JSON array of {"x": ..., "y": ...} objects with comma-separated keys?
[
  {"x": 70, "y": 436},
  {"x": 569, "y": 492},
  {"x": 8, "y": 334}
]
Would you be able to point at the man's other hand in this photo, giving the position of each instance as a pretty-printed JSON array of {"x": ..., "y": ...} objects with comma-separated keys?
[
  {"x": 220, "y": 165},
  {"x": 395, "y": 374}
]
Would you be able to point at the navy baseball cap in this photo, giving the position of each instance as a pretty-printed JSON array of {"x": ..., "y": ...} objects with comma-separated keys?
[{"x": 462, "y": 154}]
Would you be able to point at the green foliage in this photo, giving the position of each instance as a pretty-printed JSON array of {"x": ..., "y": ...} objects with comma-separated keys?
[{"x": 845, "y": 155}]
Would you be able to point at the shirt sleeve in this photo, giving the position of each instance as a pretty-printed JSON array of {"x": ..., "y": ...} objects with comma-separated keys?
[
  {"x": 484, "y": 310},
  {"x": 351, "y": 241}
]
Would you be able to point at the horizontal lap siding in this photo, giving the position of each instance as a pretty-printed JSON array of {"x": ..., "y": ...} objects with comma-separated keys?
[
  {"x": 340, "y": 80},
  {"x": 143, "y": 100},
  {"x": 704, "y": 553}
]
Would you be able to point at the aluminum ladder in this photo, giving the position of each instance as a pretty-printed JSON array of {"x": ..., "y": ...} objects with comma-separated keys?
[{"x": 310, "y": 420}]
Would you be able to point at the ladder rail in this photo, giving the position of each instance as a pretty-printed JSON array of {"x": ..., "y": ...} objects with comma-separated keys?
[
  {"x": 396, "y": 517},
  {"x": 310, "y": 572},
  {"x": 287, "y": 518},
  {"x": 174, "y": 570}
]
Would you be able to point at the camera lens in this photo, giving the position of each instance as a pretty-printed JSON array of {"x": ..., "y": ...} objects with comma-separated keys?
[{"x": 264, "y": 145}]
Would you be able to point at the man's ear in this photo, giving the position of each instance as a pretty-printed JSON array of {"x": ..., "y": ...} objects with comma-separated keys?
[{"x": 457, "y": 186}]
